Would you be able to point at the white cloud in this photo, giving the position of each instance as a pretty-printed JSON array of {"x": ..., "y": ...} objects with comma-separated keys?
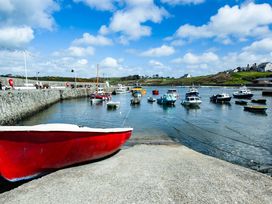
[
  {"x": 104, "y": 5},
  {"x": 20, "y": 18},
  {"x": 88, "y": 39},
  {"x": 261, "y": 46},
  {"x": 129, "y": 21},
  {"x": 82, "y": 61},
  {"x": 75, "y": 51},
  {"x": 15, "y": 37},
  {"x": 244, "y": 21},
  {"x": 155, "y": 63},
  {"x": 177, "y": 2},
  {"x": 164, "y": 50},
  {"x": 32, "y": 13},
  {"x": 110, "y": 62},
  {"x": 190, "y": 58}
]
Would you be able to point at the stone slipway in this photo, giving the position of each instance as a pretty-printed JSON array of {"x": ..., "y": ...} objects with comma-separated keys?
[{"x": 148, "y": 174}]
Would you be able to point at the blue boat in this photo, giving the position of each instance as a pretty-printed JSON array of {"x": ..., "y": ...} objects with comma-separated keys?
[{"x": 167, "y": 99}]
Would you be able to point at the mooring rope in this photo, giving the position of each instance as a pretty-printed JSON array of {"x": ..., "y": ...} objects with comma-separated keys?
[{"x": 124, "y": 121}]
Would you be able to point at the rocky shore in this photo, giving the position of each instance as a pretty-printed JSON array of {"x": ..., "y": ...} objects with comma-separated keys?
[{"x": 148, "y": 174}]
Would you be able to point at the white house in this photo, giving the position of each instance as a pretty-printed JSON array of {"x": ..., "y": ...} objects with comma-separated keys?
[{"x": 265, "y": 67}]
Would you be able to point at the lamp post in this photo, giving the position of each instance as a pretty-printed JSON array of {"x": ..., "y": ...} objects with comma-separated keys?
[
  {"x": 74, "y": 71},
  {"x": 37, "y": 76}
]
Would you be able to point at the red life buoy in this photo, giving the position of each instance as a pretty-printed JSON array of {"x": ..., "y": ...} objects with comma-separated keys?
[{"x": 11, "y": 83}]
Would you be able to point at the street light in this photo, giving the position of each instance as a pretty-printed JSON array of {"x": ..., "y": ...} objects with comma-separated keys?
[
  {"x": 37, "y": 76},
  {"x": 74, "y": 71}
]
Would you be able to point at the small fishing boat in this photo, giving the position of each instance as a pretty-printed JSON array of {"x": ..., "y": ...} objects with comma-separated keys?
[
  {"x": 241, "y": 102},
  {"x": 113, "y": 104},
  {"x": 121, "y": 89},
  {"x": 136, "y": 99},
  {"x": 173, "y": 91},
  {"x": 220, "y": 98},
  {"x": 243, "y": 93},
  {"x": 267, "y": 93},
  {"x": 96, "y": 98},
  {"x": 138, "y": 88},
  {"x": 256, "y": 109},
  {"x": 155, "y": 92},
  {"x": 191, "y": 101},
  {"x": 151, "y": 99},
  {"x": 192, "y": 92},
  {"x": 29, "y": 151},
  {"x": 167, "y": 99},
  {"x": 261, "y": 101}
]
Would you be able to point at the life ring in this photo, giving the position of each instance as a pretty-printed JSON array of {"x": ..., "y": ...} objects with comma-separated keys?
[{"x": 11, "y": 82}]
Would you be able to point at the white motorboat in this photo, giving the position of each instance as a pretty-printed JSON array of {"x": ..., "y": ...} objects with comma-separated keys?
[
  {"x": 243, "y": 92},
  {"x": 121, "y": 89},
  {"x": 192, "y": 92},
  {"x": 113, "y": 104},
  {"x": 220, "y": 98},
  {"x": 191, "y": 101},
  {"x": 173, "y": 91},
  {"x": 151, "y": 99}
]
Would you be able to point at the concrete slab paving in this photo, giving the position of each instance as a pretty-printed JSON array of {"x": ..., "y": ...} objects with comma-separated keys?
[{"x": 148, "y": 174}]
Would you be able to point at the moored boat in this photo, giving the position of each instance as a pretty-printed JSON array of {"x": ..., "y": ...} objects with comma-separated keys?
[
  {"x": 220, "y": 98},
  {"x": 256, "y": 109},
  {"x": 243, "y": 93},
  {"x": 192, "y": 92},
  {"x": 241, "y": 102},
  {"x": 151, "y": 99},
  {"x": 191, "y": 101},
  {"x": 173, "y": 91},
  {"x": 138, "y": 89},
  {"x": 261, "y": 101},
  {"x": 113, "y": 104},
  {"x": 167, "y": 99},
  {"x": 121, "y": 89},
  {"x": 28, "y": 151},
  {"x": 155, "y": 92},
  {"x": 136, "y": 99}
]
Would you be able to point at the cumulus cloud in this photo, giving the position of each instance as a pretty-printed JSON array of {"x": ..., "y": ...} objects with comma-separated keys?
[
  {"x": 20, "y": 18},
  {"x": 190, "y": 58},
  {"x": 238, "y": 22},
  {"x": 15, "y": 37},
  {"x": 129, "y": 21},
  {"x": 33, "y": 13},
  {"x": 261, "y": 46},
  {"x": 155, "y": 63},
  {"x": 178, "y": 2},
  {"x": 110, "y": 62},
  {"x": 164, "y": 50},
  {"x": 88, "y": 39},
  {"x": 75, "y": 51},
  {"x": 104, "y": 5}
]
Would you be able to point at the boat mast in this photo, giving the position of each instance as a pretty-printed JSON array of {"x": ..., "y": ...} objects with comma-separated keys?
[{"x": 97, "y": 68}]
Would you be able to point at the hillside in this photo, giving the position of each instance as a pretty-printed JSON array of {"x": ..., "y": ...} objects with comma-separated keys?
[
  {"x": 217, "y": 79},
  {"x": 222, "y": 78}
]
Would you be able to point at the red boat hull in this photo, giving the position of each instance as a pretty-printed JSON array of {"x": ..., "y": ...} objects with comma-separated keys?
[
  {"x": 155, "y": 92},
  {"x": 25, "y": 154}
]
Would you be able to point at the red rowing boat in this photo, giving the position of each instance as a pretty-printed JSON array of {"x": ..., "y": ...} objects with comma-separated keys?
[{"x": 27, "y": 151}]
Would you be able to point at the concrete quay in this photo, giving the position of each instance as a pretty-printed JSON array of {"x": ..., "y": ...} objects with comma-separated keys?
[{"x": 148, "y": 174}]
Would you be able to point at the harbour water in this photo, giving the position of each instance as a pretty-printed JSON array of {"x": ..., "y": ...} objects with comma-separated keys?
[{"x": 223, "y": 131}]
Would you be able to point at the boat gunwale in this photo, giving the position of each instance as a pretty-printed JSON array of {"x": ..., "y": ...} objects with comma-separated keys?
[{"x": 61, "y": 128}]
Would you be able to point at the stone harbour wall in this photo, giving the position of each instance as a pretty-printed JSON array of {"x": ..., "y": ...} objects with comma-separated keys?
[{"x": 16, "y": 105}]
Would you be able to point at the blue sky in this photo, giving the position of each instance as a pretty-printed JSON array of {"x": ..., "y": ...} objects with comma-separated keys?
[{"x": 125, "y": 37}]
